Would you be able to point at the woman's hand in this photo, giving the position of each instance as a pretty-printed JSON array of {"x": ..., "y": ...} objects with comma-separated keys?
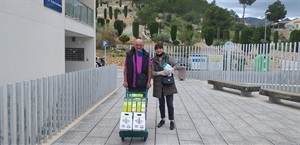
[{"x": 162, "y": 73}]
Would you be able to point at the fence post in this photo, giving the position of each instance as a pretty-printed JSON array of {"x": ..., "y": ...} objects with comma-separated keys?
[
  {"x": 10, "y": 114},
  {"x": 1, "y": 116},
  {"x": 228, "y": 47}
]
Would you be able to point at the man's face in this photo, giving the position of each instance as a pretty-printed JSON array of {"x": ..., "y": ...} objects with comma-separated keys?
[{"x": 138, "y": 45}]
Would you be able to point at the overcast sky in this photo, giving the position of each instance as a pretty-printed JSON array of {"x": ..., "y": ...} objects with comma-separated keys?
[{"x": 258, "y": 8}]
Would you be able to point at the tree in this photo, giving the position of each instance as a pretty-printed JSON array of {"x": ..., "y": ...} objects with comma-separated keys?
[
  {"x": 208, "y": 34},
  {"x": 277, "y": 11},
  {"x": 116, "y": 12},
  {"x": 226, "y": 34},
  {"x": 153, "y": 28},
  {"x": 97, "y": 4},
  {"x": 106, "y": 33},
  {"x": 105, "y": 14},
  {"x": 146, "y": 15},
  {"x": 135, "y": 29},
  {"x": 246, "y": 3},
  {"x": 119, "y": 25},
  {"x": 173, "y": 32},
  {"x": 110, "y": 12},
  {"x": 218, "y": 18},
  {"x": 236, "y": 37},
  {"x": 125, "y": 11}
]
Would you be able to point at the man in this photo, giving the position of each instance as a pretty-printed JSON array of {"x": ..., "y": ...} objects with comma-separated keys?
[{"x": 137, "y": 68}]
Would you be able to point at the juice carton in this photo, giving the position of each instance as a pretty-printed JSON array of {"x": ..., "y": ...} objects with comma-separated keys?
[
  {"x": 139, "y": 121},
  {"x": 129, "y": 105},
  {"x": 143, "y": 107},
  {"x": 125, "y": 106},
  {"x": 126, "y": 121}
]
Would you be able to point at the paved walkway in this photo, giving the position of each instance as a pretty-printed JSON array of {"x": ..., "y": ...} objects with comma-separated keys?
[{"x": 202, "y": 116}]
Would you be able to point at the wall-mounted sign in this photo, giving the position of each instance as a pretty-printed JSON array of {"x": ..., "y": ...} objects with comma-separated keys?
[{"x": 54, "y": 4}]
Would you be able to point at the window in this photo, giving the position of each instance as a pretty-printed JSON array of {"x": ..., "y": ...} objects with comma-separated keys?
[{"x": 80, "y": 12}]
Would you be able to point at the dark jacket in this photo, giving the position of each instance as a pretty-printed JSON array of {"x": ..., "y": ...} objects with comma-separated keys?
[
  {"x": 158, "y": 88},
  {"x": 130, "y": 67}
]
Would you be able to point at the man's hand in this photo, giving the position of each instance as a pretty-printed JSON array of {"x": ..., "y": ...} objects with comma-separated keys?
[
  {"x": 148, "y": 85},
  {"x": 125, "y": 84}
]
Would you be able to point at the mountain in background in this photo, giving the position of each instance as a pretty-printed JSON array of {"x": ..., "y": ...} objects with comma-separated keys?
[{"x": 259, "y": 22}]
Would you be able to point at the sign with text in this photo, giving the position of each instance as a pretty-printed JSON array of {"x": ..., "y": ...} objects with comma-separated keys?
[
  {"x": 198, "y": 61},
  {"x": 215, "y": 62},
  {"x": 54, "y": 4}
]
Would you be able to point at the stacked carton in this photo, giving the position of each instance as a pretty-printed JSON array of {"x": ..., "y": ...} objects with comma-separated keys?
[{"x": 133, "y": 113}]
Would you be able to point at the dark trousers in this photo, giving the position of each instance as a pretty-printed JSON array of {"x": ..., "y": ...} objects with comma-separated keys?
[{"x": 170, "y": 106}]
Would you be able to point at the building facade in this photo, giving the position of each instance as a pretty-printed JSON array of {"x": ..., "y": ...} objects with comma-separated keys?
[{"x": 40, "y": 38}]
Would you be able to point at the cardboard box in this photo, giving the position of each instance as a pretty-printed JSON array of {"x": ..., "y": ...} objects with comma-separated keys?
[
  {"x": 125, "y": 107},
  {"x": 139, "y": 121},
  {"x": 126, "y": 121}
]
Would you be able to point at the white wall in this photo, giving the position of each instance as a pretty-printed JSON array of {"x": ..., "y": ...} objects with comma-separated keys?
[
  {"x": 89, "y": 53},
  {"x": 32, "y": 41}
]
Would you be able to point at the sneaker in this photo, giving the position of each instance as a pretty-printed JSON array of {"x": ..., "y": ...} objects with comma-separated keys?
[
  {"x": 161, "y": 123},
  {"x": 172, "y": 125}
]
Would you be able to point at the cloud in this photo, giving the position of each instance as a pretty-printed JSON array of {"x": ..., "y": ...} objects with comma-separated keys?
[{"x": 258, "y": 8}]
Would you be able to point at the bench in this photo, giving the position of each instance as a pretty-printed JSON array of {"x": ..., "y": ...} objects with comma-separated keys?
[
  {"x": 276, "y": 95},
  {"x": 245, "y": 89}
]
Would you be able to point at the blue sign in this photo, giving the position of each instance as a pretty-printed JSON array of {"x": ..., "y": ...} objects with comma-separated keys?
[
  {"x": 104, "y": 43},
  {"x": 54, "y": 4}
]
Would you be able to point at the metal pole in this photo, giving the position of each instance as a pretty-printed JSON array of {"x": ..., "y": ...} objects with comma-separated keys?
[
  {"x": 265, "y": 36},
  {"x": 105, "y": 55}
]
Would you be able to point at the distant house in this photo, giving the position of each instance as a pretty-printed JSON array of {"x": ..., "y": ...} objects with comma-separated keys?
[{"x": 293, "y": 25}]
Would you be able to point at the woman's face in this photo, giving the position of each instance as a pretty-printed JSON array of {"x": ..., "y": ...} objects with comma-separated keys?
[{"x": 159, "y": 51}]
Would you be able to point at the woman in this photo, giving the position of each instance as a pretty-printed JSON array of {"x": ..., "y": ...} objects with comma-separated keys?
[{"x": 163, "y": 93}]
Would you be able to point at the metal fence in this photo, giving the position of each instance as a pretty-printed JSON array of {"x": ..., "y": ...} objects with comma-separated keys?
[
  {"x": 272, "y": 65},
  {"x": 33, "y": 111}
]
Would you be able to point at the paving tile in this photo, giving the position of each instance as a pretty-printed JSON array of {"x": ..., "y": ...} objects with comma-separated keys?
[{"x": 203, "y": 116}]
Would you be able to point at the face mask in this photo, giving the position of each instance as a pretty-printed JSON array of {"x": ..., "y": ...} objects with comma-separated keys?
[{"x": 140, "y": 52}]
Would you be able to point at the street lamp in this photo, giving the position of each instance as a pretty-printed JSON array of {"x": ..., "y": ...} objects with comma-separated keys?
[{"x": 265, "y": 36}]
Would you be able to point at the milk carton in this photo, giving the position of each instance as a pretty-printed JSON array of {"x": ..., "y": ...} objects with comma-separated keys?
[
  {"x": 143, "y": 105},
  {"x": 133, "y": 109},
  {"x": 125, "y": 107},
  {"x": 126, "y": 121},
  {"x": 138, "y": 105},
  {"x": 129, "y": 105},
  {"x": 139, "y": 121}
]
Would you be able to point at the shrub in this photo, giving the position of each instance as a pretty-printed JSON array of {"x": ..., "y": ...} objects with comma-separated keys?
[
  {"x": 236, "y": 37},
  {"x": 101, "y": 21},
  {"x": 124, "y": 38},
  {"x": 106, "y": 33},
  {"x": 226, "y": 35},
  {"x": 119, "y": 25},
  {"x": 176, "y": 42},
  {"x": 116, "y": 11},
  {"x": 295, "y": 38}
]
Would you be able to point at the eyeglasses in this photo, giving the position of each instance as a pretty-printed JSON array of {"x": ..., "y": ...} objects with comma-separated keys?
[{"x": 138, "y": 45}]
